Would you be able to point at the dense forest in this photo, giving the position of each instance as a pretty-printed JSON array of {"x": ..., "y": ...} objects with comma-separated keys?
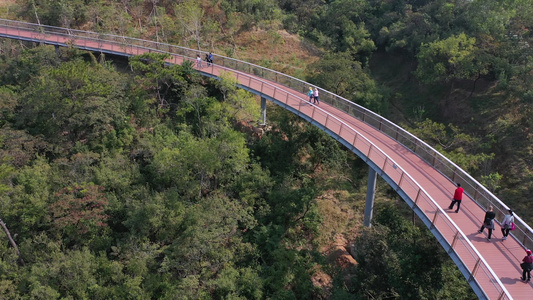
[{"x": 131, "y": 179}]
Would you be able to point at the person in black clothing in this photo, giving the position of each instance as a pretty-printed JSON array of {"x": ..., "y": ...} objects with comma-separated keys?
[{"x": 488, "y": 222}]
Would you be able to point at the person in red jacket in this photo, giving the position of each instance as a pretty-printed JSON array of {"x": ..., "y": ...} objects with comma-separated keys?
[
  {"x": 457, "y": 198},
  {"x": 527, "y": 265}
]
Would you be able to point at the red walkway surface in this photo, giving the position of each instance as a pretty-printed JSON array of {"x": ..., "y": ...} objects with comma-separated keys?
[{"x": 504, "y": 257}]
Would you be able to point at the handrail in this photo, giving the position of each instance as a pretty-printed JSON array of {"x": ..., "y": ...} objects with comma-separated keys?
[{"x": 402, "y": 178}]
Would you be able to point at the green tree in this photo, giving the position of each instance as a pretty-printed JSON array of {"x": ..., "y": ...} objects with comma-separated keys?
[
  {"x": 199, "y": 166},
  {"x": 166, "y": 84},
  {"x": 341, "y": 75},
  {"x": 26, "y": 203},
  {"x": 454, "y": 144},
  {"x": 397, "y": 259},
  {"x": 340, "y": 22},
  {"x": 453, "y": 58},
  {"x": 78, "y": 101},
  {"x": 78, "y": 213}
]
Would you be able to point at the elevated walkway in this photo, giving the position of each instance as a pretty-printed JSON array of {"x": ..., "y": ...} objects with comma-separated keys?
[{"x": 421, "y": 176}]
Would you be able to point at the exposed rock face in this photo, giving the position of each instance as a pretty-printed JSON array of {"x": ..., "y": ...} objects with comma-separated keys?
[{"x": 339, "y": 254}]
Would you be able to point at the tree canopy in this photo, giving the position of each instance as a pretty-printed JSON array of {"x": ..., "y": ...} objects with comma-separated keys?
[{"x": 136, "y": 179}]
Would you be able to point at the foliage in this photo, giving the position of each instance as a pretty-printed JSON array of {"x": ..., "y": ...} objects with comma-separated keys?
[
  {"x": 193, "y": 207},
  {"x": 79, "y": 212},
  {"x": 77, "y": 101},
  {"x": 399, "y": 260},
  {"x": 452, "y": 58},
  {"x": 456, "y": 145}
]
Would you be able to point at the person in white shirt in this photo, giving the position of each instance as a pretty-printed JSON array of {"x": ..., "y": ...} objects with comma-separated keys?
[
  {"x": 315, "y": 94},
  {"x": 507, "y": 224},
  {"x": 198, "y": 61}
]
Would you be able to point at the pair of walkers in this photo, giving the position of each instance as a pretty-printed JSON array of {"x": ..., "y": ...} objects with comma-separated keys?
[
  {"x": 488, "y": 222},
  {"x": 209, "y": 58},
  {"x": 507, "y": 225},
  {"x": 313, "y": 95}
]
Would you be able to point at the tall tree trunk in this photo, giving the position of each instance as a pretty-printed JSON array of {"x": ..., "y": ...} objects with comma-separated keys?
[
  {"x": 35, "y": 11},
  {"x": 21, "y": 261}
]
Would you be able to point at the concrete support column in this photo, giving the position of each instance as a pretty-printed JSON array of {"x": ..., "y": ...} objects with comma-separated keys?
[
  {"x": 263, "y": 111},
  {"x": 370, "y": 195},
  {"x": 57, "y": 50}
]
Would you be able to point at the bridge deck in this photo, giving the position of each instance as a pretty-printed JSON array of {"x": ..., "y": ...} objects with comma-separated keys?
[{"x": 504, "y": 257}]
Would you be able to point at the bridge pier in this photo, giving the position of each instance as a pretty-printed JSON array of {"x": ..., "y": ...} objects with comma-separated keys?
[
  {"x": 263, "y": 111},
  {"x": 370, "y": 195}
]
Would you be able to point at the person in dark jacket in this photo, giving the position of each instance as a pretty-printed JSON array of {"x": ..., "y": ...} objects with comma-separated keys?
[
  {"x": 488, "y": 222},
  {"x": 457, "y": 198},
  {"x": 527, "y": 265},
  {"x": 207, "y": 59}
]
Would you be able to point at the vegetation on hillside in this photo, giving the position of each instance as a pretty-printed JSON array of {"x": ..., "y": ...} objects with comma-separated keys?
[{"x": 139, "y": 184}]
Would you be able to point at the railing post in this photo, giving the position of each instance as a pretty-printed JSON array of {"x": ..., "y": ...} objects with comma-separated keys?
[
  {"x": 385, "y": 163},
  {"x": 401, "y": 179},
  {"x": 502, "y": 294},
  {"x": 434, "y": 220},
  {"x": 417, "y": 196},
  {"x": 453, "y": 174},
  {"x": 452, "y": 245},
  {"x": 474, "y": 270}
]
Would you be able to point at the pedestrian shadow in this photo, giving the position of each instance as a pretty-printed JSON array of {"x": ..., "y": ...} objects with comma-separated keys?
[
  {"x": 513, "y": 280},
  {"x": 480, "y": 237}
]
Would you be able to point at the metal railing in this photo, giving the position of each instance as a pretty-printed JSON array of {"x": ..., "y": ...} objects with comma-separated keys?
[{"x": 478, "y": 271}]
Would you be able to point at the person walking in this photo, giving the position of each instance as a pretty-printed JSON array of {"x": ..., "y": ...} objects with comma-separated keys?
[
  {"x": 507, "y": 224},
  {"x": 315, "y": 94},
  {"x": 527, "y": 265},
  {"x": 488, "y": 222},
  {"x": 457, "y": 198},
  {"x": 210, "y": 58},
  {"x": 310, "y": 94},
  {"x": 198, "y": 61},
  {"x": 207, "y": 59}
]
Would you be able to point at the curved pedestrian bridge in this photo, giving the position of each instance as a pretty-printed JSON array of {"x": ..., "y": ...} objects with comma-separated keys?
[{"x": 421, "y": 176}]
